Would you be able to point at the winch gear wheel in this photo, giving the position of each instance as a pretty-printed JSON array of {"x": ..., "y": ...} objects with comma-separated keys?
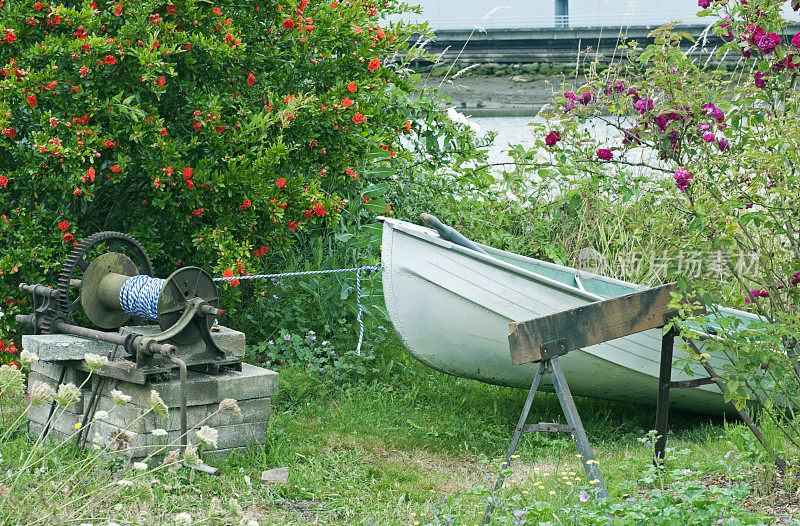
[{"x": 116, "y": 241}]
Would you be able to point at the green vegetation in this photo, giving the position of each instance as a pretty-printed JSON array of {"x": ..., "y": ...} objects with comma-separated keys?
[{"x": 410, "y": 445}]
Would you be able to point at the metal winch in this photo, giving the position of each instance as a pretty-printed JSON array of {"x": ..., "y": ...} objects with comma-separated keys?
[{"x": 106, "y": 281}]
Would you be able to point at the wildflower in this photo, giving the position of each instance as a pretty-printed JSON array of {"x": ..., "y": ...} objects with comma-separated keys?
[
  {"x": 683, "y": 179},
  {"x": 594, "y": 481},
  {"x": 158, "y": 404},
  {"x": 159, "y": 432},
  {"x": 723, "y": 145},
  {"x": 208, "y": 436},
  {"x": 101, "y": 415},
  {"x": 119, "y": 397},
  {"x": 358, "y": 118},
  {"x": 141, "y": 466},
  {"x": 172, "y": 457},
  {"x": 374, "y": 64},
  {"x": 796, "y": 40},
  {"x": 190, "y": 456},
  {"x": 583, "y": 496},
  {"x": 552, "y": 138},
  {"x": 68, "y": 394},
  {"x": 251, "y": 79},
  {"x": 709, "y": 137},
  {"x": 230, "y": 405},
  {"x": 40, "y": 393},
  {"x": 183, "y": 518},
  {"x": 551, "y": 492},
  {"x": 352, "y": 88},
  {"x": 347, "y": 102},
  {"x": 94, "y": 361},
  {"x": 704, "y": 4},
  {"x": 27, "y": 357},
  {"x": 110, "y": 59},
  {"x": 281, "y": 183},
  {"x": 604, "y": 154}
]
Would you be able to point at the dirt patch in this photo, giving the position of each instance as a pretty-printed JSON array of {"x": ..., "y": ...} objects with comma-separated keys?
[{"x": 773, "y": 494}]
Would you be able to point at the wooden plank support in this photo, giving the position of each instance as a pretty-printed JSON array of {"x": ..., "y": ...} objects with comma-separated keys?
[
  {"x": 559, "y": 333},
  {"x": 547, "y": 427}
]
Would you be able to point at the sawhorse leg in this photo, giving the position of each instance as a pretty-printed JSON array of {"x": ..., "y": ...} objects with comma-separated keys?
[
  {"x": 662, "y": 406},
  {"x": 590, "y": 465}
]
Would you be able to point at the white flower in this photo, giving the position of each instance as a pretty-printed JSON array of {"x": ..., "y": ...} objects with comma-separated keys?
[
  {"x": 101, "y": 415},
  {"x": 172, "y": 457},
  {"x": 208, "y": 436},
  {"x": 124, "y": 482},
  {"x": 158, "y": 404},
  {"x": 190, "y": 456},
  {"x": 159, "y": 432},
  {"x": 94, "y": 362},
  {"x": 455, "y": 116},
  {"x": 11, "y": 379},
  {"x": 141, "y": 466},
  {"x": 182, "y": 519},
  {"x": 27, "y": 357},
  {"x": 229, "y": 404},
  {"x": 68, "y": 394},
  {"x": 119, "y": 397},
  {"x": 41, "y": 393}
]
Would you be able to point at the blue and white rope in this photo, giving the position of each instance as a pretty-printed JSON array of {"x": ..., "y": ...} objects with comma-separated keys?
[
  {"x": 357, "y": 270},
  {"x": 138, "y": 296}
]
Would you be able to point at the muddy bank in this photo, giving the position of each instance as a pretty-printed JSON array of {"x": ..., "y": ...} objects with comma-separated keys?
[{"x": 499, "y": 96}]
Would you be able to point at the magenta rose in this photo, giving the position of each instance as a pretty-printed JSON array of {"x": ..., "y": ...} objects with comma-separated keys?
[{"x": 604, "y": 154}]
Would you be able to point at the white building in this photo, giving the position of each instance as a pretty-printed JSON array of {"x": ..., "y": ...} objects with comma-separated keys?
[{"x": 527, "y": 14}]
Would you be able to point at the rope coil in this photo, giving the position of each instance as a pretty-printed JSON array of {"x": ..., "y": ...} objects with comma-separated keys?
[{"x": 138, "y": 296}]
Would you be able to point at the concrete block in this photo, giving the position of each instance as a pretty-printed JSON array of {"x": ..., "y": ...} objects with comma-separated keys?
[
  {"x": 53, "y": 371},
  {"x": 61, "y": 347},
  {"x": 202, "y": 389}
]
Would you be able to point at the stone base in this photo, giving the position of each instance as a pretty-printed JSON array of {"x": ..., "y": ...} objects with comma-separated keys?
[{"x": 129, "y": 427}]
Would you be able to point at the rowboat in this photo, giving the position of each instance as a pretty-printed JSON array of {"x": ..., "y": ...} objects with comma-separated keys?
[{"x": 451, "y": 306}]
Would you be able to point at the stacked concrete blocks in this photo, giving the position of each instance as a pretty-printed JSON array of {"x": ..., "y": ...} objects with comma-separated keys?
[{"x": 128, "y": 428}]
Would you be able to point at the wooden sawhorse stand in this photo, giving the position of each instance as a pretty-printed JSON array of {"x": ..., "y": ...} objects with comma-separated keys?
[{"x": 542, "y": 340}]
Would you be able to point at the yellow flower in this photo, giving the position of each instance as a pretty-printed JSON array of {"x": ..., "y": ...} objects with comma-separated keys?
[
  {"x": 571, "y": 473},
  {"x": 568, "y": 482},
  {"x": 579, "y": 455},
  {"x": 590, "y": 462},
  {"x": 594, "y": 481},
  {"x": 77, "y": 425},
  {"x": 551, "y": 492},
  {"x": 524, "y": 492}
]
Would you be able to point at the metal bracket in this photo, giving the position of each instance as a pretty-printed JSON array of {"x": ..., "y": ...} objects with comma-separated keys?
[{"x": 553, "y": 348}]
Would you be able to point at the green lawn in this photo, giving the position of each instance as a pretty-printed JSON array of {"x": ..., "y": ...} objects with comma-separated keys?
[{"x": 408, "y": 446}]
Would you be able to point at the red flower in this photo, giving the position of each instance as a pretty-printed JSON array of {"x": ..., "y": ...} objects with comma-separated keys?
[
  {"x": 308, "y": 214},
  {"x": 281, "y": 183},
  {"x": 38, "y": 6},
  {"x": 292, "y": 226},
  {"x": 10, "y": 37},
  {"x": 319, "y": 210},
  {"x": 77, "y": 191},
  {"x": 196, "y": 125},
  {"x": 171, "y": 9},
  {"x": 335, "y": 4},
  {"x": 108, "y": 144},
  {"x": 374, "y": 64},
  {"x": 83, "y": 71},
  {"x": 217, "y": 11},
  {"x": 187, "y": 173},
  {"x": 68, "y": 237},
  {"x": 3, "y": 181},
  {"x": 604, "y": 154},
  {"x": 346, "y": 102},
  {"x": 118, "y": 9},
  {"x": 245, "y": 204},
  {"x": 163, "y": 132},
  {"x": 358, "y": 118},
  {"x": 228, "y": 273},
  {"x": 31, "y": 100},
  {"x": 219, "y": 129},
  {"x": 408, "y": 126},
  {"x": 161, "y": 81},
  {"x": 251, "y": 79},
  {"x": 115, "y": 169},
  {"x": 63, "y": 225},
  {"x": 110, "y": 59},
  {"x": 89, "y": 175},
  {"x": 352, "y": 87},
  {"x": 288, "y": 23},
  {"x": 198, "y": 212}
]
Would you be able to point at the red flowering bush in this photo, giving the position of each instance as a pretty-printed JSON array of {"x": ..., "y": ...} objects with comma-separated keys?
[{"x": 218, "y": 133}]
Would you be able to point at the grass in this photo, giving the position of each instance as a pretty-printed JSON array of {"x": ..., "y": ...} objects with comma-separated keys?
[{"x": 408, "y": 446}]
